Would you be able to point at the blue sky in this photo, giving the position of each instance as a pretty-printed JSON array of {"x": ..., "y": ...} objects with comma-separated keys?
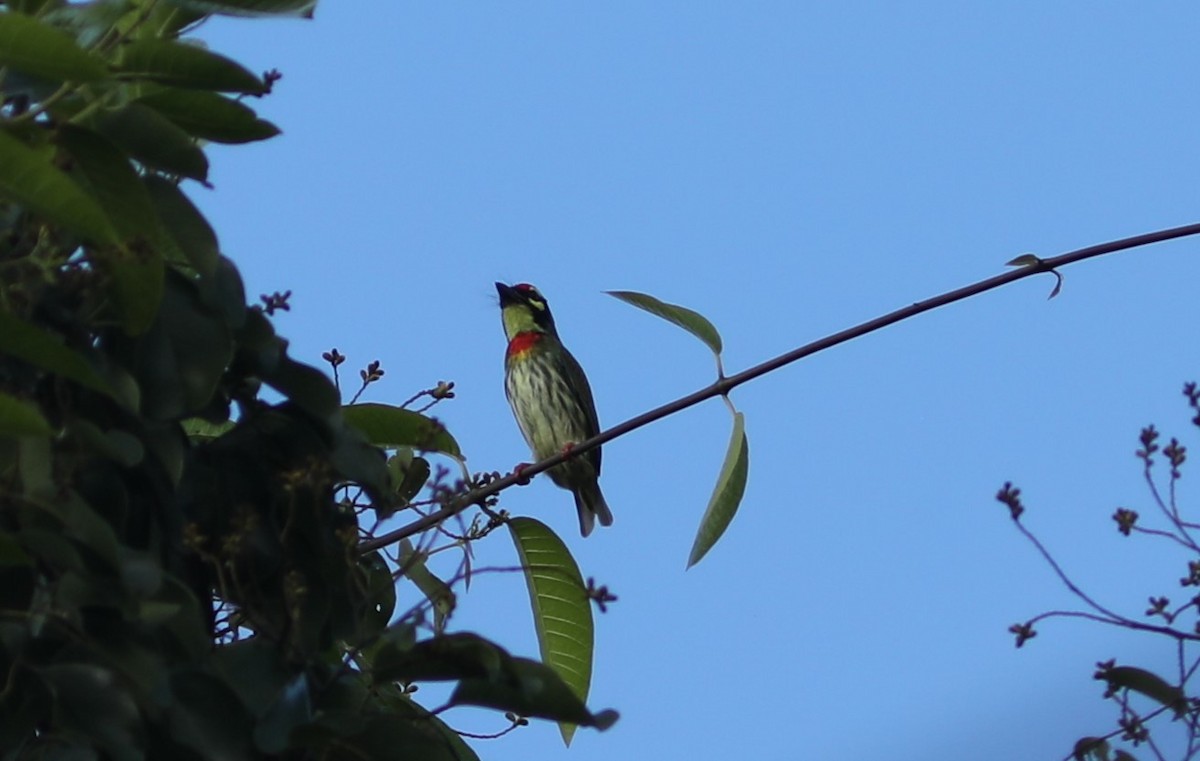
[{"x": 788, "y": 171}]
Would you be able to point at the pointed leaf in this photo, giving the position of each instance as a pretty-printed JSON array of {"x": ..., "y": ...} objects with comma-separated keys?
[
  {"x": 28, "y": 178},
  {"x": 184, "y": 224},
  {"x": 439, "y": 594},
  {"x": 210, "y": 116},
  {"x": 1024, "y": 260},
  {"x": 387, "y": 426},
  {"x": 200, "y": 430},
  {"x": 1096, "y": 747},
  {"x": 460, "y": 655},
  {"x": 44, "y": 52},
  {"x": 47, "y": 351},
  {"x": 529, "y": 688},
  {"x": 691, "y": 321},
  {"x": 137, "y": 275},
  {"x": 174, "y": 63},
  {"x": 1151, "y": 685},
  {"x": 562, "y": 612},
  {"x": 727, "y": 495},
  {"x": 154, "y": 140},
  {"x": 20, "y": 418},
  {"x": 112, "y": 180},
  {"x": 249, "y": 7}
]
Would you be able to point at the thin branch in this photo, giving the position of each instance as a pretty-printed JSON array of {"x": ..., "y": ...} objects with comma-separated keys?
[{"x": 724, "y": 385}]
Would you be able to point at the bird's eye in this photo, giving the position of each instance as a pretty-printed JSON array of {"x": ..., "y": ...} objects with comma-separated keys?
[{"x": 532, "y": 297}]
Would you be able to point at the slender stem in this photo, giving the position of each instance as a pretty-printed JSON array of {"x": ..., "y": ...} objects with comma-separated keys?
[{"x": 724, "y": 385}]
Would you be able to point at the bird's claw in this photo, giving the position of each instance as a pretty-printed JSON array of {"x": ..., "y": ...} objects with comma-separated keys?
[{"x": 522, "y": 480}]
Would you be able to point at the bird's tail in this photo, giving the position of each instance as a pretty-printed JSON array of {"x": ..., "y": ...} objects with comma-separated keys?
[{"x": 590, "y": 505}]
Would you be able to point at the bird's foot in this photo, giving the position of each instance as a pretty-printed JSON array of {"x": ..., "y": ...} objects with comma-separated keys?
[{"x": 522, "y": 480}]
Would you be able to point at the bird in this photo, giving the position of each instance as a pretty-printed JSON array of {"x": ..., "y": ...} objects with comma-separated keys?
[{"x": 551, "y": 399}]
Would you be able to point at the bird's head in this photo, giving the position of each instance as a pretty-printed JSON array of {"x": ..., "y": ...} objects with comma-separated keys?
[{"x": 524, "y": 310}]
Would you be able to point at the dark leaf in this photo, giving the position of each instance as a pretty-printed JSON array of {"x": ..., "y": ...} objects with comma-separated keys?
[
  {"x": 530, "y": 688},
  {"x": 210, "y": 116},
  {"x": 448, "y": 657},
  {"x": 21, "y": 418},
  {"x": 182, "y": 65},
  {"x": 28, "y": 177},
  {"x": 207, "y": 716},
  {"x": 45, "y": 52},
  {"x": 45, "y": 350},
  {"x": 113, "y": 182},
  {"x": 1149, "y": 684},
  {"x": 184, "y": 225},
  {"x": 91, "y": 702},
  {"x": 154, "y": 140},
  {"x": 249, "y": 7},
  {"x": 136, "y": 273}
]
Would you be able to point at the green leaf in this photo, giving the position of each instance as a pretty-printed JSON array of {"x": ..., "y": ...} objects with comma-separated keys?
[
  {"x": 113, "y": 182},
  {"x": 45, "y": 52},
  {"x": 731, "y": 485},
  {"x": 206, "y": 716},
  {"x": 693, "y": 322},
  {"x": 409, "y": 474},
  {"x": 249, "y": 7},
  {"x": 562, "y": 612},
  {"x": 137, "y": 276},
  {"x": 309, "y": 388},
  {"x": 47, "y": 351},
  {"x": 200, "y": 430},
  {"x": 35, "y": 467},
  {"x": 29, "y": 178},
  {"x": 1151, "y": 685},
  {"x": 1024, "y": 260},
  {"x": 91, "y": 702},
  {"x": 291, "y": 710},
  {"x": 388, "y": 426},
  {"x": 184, "y": 224},
  {"x": 183, "y": 356},
  {"x": 1096, "y": 747},
  {"x": 439, "y": 594},
  {"x": 12, "y": 554},
  {"x": 210, "y": 116},
  {"x": 20, "y": 418},
  {"x": 154, "y": 140},
  {"x": 379, "y": 594},
  {"x": 530, "y": 688},
  {"x": 447, "y": 657},
  {"x": 174, "y": 63}
]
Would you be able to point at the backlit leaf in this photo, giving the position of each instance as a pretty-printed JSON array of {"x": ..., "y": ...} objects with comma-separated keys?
[
  {"x": 727, "y": 496},
  {"x": 387, "y": 426},
  {"x": 562, "y": 612},
  {"x": 691, "y": 321}
]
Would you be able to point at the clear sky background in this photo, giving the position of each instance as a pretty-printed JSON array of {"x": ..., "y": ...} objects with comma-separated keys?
[{"x": 789, "y": 170}]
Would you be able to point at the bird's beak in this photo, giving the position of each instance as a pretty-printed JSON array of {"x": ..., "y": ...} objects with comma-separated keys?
[{"x": 508, "y": 294}]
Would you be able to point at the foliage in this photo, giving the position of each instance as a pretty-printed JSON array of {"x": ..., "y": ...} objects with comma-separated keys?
[
  {"x": 1141, "y": 696},
  {"x": 184, "y": 508}
]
